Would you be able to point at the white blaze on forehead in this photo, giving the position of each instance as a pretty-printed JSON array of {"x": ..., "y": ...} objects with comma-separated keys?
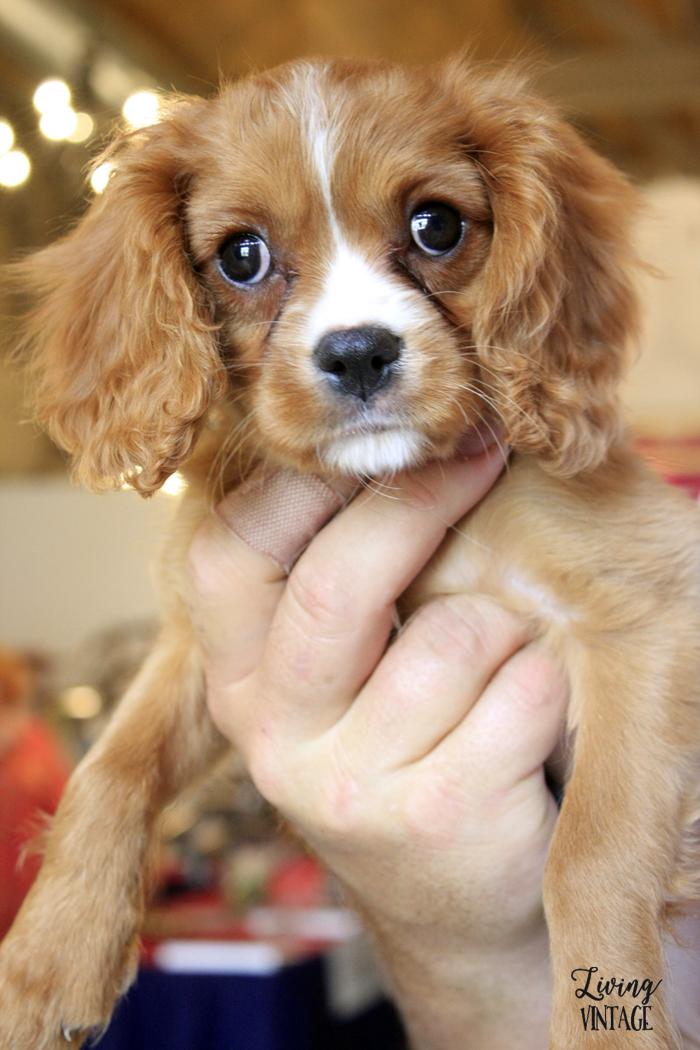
[
  {"x": 356, "y": 293},
  {"x": 322, "y": 147},
  {"x": 320, "y": 132}
]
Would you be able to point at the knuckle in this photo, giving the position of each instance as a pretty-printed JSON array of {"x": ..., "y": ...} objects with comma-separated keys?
[
  {"x": 341, "y": 815},
  {"x": 268, "y": 773},
  {"x": 431, "y": 814},
  {"x": 341, "y": 811},
  {"x": 322, "y": 799},
  {"x": 332, "y": 820},
  {"x": 338, "y": 812},
  {"x": 317, "y": 596},
  {"x": 540, "y": 680}
]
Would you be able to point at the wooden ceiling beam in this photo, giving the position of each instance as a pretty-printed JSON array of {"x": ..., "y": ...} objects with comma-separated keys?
[{"x": 634, "y": 82}]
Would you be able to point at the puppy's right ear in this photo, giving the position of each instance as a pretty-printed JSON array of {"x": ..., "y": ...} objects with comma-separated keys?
[{"x": 122, "y": 341}]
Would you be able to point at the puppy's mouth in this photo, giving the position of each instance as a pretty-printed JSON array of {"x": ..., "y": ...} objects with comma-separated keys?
[
  {"x": 385, "y": 448},
  {"x": 371, "y": 451}
]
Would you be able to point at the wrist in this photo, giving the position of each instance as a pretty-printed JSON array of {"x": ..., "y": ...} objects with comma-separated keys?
[{"x": 451, "y": 992}]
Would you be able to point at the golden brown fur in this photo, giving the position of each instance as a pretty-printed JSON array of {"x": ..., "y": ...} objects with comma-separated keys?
[{"x": 138, "y": 343}]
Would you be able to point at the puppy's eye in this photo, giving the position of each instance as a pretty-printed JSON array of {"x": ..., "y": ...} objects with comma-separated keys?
[
  {"x": 244, "y": 258},
  {"x": 436, "y": 227}
]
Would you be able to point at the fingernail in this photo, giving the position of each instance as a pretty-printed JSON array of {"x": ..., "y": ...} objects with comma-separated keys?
[
  {"x": 480, "y": 439},
  {"x": 279, "y": 514}
]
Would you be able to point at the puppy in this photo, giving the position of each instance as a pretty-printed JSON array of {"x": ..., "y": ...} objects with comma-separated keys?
[{"x": 339, "y": 267}]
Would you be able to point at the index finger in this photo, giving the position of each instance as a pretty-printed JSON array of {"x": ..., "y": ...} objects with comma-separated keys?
[
  {"x": 334, "y": 617},
  {"x": 239, "y": 557}
]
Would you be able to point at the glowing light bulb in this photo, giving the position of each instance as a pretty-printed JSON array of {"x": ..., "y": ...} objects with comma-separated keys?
[
  {"x": 14, "y": 168},
  {"x": 58, "y": 124},
  {"x": 142, "y": 109},
  {"x": 82, "y": 701},
  {"x": 51, "y": 95},
  {"x": 7, "y": 137},
  {"x": 100, "y": 177},
  {"x": 84, "y": 127}
]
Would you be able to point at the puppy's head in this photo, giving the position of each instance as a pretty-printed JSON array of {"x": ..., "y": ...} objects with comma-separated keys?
[{"x": 368, "y": 259}]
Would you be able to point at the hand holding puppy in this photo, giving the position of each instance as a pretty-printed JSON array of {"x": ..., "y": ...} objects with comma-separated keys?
[{"x": 415, "y": 773}]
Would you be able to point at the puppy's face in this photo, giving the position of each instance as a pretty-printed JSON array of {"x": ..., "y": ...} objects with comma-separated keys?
[
  {"x": 367, "y": 259},
  {"x": 341, "y": 242}
]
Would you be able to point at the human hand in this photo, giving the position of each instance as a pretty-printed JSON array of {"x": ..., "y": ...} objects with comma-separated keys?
[{"x": 415, "y": 773}]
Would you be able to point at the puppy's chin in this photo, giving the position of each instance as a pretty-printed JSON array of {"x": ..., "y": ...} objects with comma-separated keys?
[{"x": 381, "y": 452}]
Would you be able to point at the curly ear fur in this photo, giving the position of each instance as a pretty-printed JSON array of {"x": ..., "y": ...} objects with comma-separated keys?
[
  {"x": 556, "y": 304},
  {"x": 122, "y": 341}
]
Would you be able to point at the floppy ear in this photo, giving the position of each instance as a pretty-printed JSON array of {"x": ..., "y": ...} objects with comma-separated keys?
[
  {"x": 556, "y": 305},
  {"x": 122, "y": 340}
]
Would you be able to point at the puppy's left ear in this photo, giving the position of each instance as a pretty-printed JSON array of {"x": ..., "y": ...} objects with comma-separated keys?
[{"x": 556, "y": 304}]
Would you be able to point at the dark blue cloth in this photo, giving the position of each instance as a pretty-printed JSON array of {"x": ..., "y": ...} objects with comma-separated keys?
[{"x": 286, "y": 1011}]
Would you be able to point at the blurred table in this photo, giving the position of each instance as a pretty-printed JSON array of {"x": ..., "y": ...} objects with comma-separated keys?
[{"x": 294, "y": 979}]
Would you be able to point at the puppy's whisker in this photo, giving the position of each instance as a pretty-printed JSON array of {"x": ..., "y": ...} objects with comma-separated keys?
[
  {"x": 256, "y": 324},
  {"x": 474, "y": 350},
  {"x": 533, "y": 421},
  {"x": 456, "y": 401},
  {"x": 382, "y": 489},
  {"x": 228, "y": 451},
  {"x": 469, "y": 388},
  {"x": 240, "y": 366},
  {"x": 496, "y": 437},
  {"x": 387, "y": 482},
  {"x": 470, "y": 539},
  {"x": 498, "y": 442}
]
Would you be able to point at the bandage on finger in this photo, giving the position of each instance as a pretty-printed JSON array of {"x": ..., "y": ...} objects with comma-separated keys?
[{"x": 279, "y": 514}]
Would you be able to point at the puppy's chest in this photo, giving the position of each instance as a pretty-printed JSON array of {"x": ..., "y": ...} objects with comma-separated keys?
[
  {"x": 472, "y": 562},
  {"x": 577, "y": 557},
  {"x": 504, "y": 550},
  {"x": 463, "y": 566}
]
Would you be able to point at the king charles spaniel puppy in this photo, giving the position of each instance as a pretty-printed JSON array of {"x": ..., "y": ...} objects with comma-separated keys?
[{"x": 336, "y": 267}]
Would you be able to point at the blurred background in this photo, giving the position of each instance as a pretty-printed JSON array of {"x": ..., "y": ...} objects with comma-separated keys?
[{"x": 76, "y": 602}]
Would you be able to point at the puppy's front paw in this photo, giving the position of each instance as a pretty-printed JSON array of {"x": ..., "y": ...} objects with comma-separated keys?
[{"x": 57, "y": 989}]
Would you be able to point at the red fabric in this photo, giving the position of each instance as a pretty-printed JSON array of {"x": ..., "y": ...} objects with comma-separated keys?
[
  {"x": 33, "y": 773},
  {"x": 676, "y": 459}
]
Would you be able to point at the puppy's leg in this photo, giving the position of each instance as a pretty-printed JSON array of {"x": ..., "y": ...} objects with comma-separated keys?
[
  {"x": 620, "y": 839},
  {"x": 73, "y": 946}
]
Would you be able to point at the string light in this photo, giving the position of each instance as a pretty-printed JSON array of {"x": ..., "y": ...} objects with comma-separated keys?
[
  {"x": 82, "y": 701},
  {"x": 142, "y": 109},
  {"x": 58, "y": 124},
  {"x": 84, "y": 127},
  {"x": 58, "y": 120},
  {"x": 52, "y": 95},
  {"x": 7, "y": 137},
  {"x": 100, "y": 177},
  {"x": 14, "y": 168}
]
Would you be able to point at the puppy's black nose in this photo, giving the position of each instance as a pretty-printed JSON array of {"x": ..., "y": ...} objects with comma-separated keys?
[{"x": 359, "y": 361}]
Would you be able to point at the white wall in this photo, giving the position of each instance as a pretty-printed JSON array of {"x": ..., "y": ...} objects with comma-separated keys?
[
  {"x": 72, "y": 562},
  {"x": 662, "y": 393}
]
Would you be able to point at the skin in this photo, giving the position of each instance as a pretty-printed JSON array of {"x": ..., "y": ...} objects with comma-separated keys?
[{"x": 414, "y": 772}]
